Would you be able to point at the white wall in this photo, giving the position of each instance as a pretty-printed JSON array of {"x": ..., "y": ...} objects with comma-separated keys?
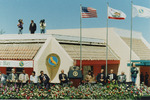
[{"x": 52, "y": 46}]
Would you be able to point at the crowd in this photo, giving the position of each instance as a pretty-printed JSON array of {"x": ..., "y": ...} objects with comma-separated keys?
[{"x": 32, "y": 27}]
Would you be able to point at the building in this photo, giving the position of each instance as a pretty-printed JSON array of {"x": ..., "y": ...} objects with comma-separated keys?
[
  {"x": 33, "y": 52},
  {"x": 57, "y": 49},
  {"x": 118, "y": 42}
]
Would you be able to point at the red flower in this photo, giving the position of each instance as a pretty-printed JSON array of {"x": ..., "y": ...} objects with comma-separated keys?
[
  {"x": 44, "y": 88},
  {"x": 41, "y": 89},
  {"x": 131, "y": 91},
  {"x": 2, "y": 92},
  {"x": 108, "y": 81},
  {"x": 39, "y": 94},
  {"x": 70, "y": 86},
  {"x": 28, "y": 97},
  {"x": 132, "y": 86},
  {"x": 49, "y": 90},
  {"x": 53, "y": 85},
  {"x": 115, "y": 88},
  {"x": 107, "y": 86},
  {"x": 62, "y": 93},
  {"x": 72, "y": 96},
  {"x": 56, "y": 95},
  {"x": 137, "y": 92},
  {"x": 58, "y": 91},
  {"x": 122, "y": 92}
]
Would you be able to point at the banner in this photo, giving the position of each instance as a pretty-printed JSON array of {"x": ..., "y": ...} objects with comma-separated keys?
[{"x": 13, "y": 63}]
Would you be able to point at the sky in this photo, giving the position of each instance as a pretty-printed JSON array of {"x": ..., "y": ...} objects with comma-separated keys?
[{"x": 65, "y": 14}]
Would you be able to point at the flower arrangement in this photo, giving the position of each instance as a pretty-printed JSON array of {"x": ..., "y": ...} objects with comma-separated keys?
[{"x": 84, "y": 91}]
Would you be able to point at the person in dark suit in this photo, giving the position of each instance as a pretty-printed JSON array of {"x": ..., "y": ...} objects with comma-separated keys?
[
  {"x": 141, "y": 78},
  {"x": 63, "y": 77},
  {"x": 44, "y": 79},
  {"x": 146, "y": 78},
  {"x": 111, "y": 77},
  {"x": 101, "y": 77},
  {"x": 32, "y": 27}
]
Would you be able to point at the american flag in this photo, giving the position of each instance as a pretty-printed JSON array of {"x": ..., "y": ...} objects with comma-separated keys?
[{"x": 88, "y": 12}]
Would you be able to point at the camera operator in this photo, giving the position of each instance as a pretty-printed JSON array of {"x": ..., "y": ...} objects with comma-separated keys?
[
  {"x": 20, "y": 26},
  {"x": 42, "y": 26}
]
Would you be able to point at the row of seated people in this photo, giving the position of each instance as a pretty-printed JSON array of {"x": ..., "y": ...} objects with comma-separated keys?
[
  {"x": 23, "y": 78},
  {"x": 101, "y": 78}
]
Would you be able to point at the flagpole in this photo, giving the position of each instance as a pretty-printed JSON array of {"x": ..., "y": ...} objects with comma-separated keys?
[
  {"x": 131, "y": 35},
  {"x": 107, "y": 40},
  {"x": 80, "y": 36}
]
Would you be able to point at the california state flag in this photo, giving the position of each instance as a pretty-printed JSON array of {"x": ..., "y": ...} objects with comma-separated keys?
[{"x": 116, "y": 14}]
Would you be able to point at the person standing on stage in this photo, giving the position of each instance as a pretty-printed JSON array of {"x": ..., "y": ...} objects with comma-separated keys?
[
  {"x": 134, "y": 72},
  {"x": 23, "y": 78},
  {"x": 32, "y": 27}
]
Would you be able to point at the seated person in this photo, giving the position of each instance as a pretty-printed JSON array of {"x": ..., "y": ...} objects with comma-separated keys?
[
  {"x": 44, "y": 79},
  {"x": 111, "y": 77},
  {"x": 101, "y": 77},
  {"x": 12, "y": 77},
  {"x": 90, "y": 78},
  {"x": 3, "y": 78},
  {"x": 34, "y": 79},
  {"x": 122, "y": 78},
  {"x": 23, "y": 77},
  {"x": 63, "y": 77}
]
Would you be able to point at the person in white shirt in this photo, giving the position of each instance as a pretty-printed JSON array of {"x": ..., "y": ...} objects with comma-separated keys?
[
  {"x": 3, "y": 78},
  {"x": 23, "y": 77},
  {"x": 34, "y": 79},
  {"x": 111, "y": 76}
]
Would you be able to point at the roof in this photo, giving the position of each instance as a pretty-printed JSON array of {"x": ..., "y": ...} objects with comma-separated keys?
[
  {"x": 18, "y": 51},
  {"x": 139, "y": 48},
  {"x": 21, "y": 47},
  {"x": 77, "y": 38},
  {"x": 89, "y": 52}
]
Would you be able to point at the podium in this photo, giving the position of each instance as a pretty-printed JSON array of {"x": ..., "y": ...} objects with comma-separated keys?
[{"x": 75, "y": 76}]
